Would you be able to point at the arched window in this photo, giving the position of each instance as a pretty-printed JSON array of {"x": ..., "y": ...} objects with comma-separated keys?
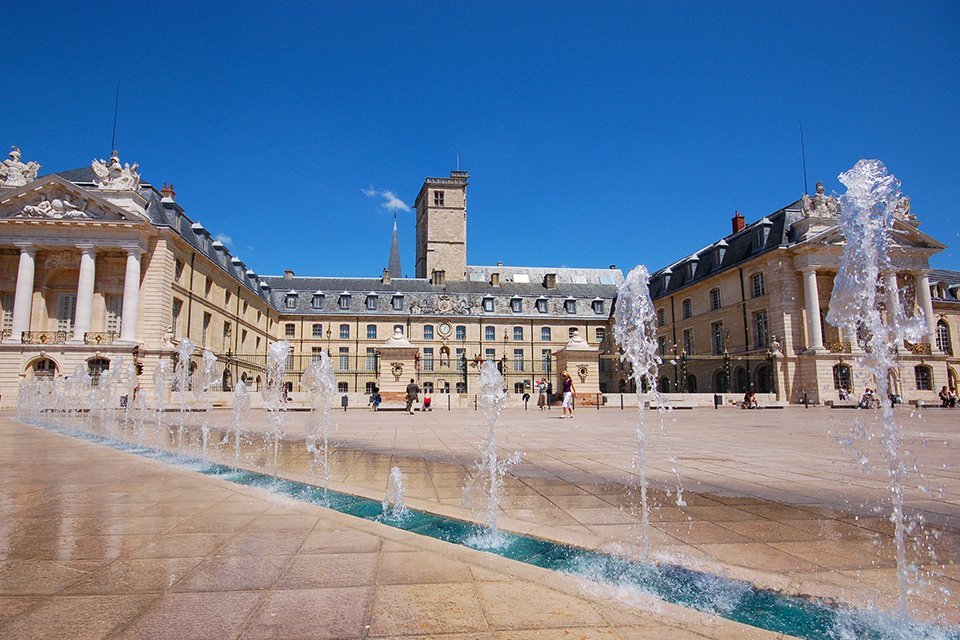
[
  {"x": 258, "y": 381},
  {"x": 719, "y": 381},
  {"x": 44, "y": 368},
  {"x": 742, "y": 380},
  {"x": 943, "y": 337},
  {"x": 841, "y": 376},
  {"x": 691, "y": 383},
  {"x": 664, "y": 384},
  {"x": 924, "y": 377},
  {"x": 96, "y": 366},
  {"x": 762, "y": 375}
]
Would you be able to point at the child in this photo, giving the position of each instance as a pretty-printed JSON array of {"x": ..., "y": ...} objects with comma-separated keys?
[
  {"x": 375, "y": 399},
  {"x": 427, "y": 400}
]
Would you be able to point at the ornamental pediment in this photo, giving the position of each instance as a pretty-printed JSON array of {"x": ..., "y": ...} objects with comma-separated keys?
[
  {"x": 52, "y": 198},
  {"x": 905, "y": 235}
]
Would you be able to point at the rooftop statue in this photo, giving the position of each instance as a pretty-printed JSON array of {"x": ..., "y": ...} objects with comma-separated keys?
[
  {"x": 14, "y": 173},
  {"x": 820, "y": 205},
  {"x": 902, "y": 211},
  {"x": 111, "y": 175}
]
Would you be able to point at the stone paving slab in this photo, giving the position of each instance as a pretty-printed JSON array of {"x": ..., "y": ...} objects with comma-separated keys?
[{"x": 95, "y": 543}]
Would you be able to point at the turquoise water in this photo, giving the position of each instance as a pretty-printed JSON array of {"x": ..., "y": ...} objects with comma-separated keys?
[{"x": 803, "y": 617}]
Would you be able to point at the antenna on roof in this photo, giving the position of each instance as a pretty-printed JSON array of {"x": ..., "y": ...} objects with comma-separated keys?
[
  {"x": 803, "y": 158},
  {"x": 458, "y": 161},
  {"x": 116, "y": 110}
]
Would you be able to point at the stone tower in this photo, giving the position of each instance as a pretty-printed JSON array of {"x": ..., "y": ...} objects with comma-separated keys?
[{"x": 442, "y": 228}]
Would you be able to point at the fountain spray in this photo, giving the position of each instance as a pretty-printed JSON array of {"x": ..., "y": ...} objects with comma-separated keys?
[
  {"x": 321, "y": 383},
  {"x": 161, "y": 377},
  {"x": 241, "y": 415},
  {"x": 273, "y": 393},
  {"x": 491, "y": 401},
  {"x": 866, "y": 221},
  {"x": 208, "y": 363},
  {"x": 181, "y": 376}
]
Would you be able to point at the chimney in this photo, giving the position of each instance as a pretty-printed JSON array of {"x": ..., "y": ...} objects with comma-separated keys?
[
  {"x": 495, "y": 279},
  {"x": 613, "y": 266},
  {"x": 387, "y": 276},
  {"x": 550, "y": 281},
  {"x": 167, "y": 192},
  {"x": 738, "y": 222},
  {"x": 439, "y": 277},
  {"x": 288, "y": 274},
  {"x": 499, "y": 263}
]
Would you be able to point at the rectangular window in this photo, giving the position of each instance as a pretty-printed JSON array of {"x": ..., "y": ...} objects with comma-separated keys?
[
  {"x": 715, "y": 299},
  {"x": 761, "y": 332},
  {"x": 177, "y": 308},
  {"x": 461, "y": 332},
  {"x": 8, "y": 300},
  {"x": 570, "y": 306},
  {"x": 114, "y": 312},
  {"x": 924, "y": 378},
  {"x": 542, "y": 305},
  {"x": 342, "y": 387},
  {"x": 661, "y": 317},
  {"x": 397, "y": 303},
  {"x": 461, "y": 359},
  {"x": 344, "y": 353},
  {"x": 488, "y": 304},
  {"x": 315, "y": 353},
  {"x": 428, "y": 358},
  {"x": 371, "y": 332},
  {"x": 759, "y": 286},
  {"x": 719, "y": 340},
  {"x": 226, "y": 298},
  {"x": 289, "y": 330},
  {"x": 343, "y": 302},
  {"x": 545, "y": 334},
  {"x": 438, "y": 198},
  {"x": 177, "y": 270},
  {"x": 371, "y": 359},
  {"x": 518, "y": 359},
  {"x": 516, "y": 305},
  {"x": 601, "y": 334},
  {"x": 490, "y": 354},
  {"x": 289, "y": 363},
  {"x": 344, "y": 331},
  {"x": 545, "y": 357},
  {"x": 205, "y": 336},
  {"x": 66, "y": 309},
  {"x": 317, "y": 331},
  {"x": 317, "y": 301},
  {"x": 688, "y": 345},
  {"x": 598, "y": 306},
  {"x": 372, "y": 302},
  {"x": 489, "y": 333},
  {"x": 518, "y": 334},
  {"x": 687, "y": 307},
  {"x": 662, "y": 346},
  {"x": 428, "y": 332}
]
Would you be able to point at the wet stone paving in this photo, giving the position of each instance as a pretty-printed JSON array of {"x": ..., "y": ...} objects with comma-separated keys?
[{"x": 97, "y": 543}]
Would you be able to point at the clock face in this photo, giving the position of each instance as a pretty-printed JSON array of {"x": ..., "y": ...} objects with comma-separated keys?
[{"x": 444, "y": 329}]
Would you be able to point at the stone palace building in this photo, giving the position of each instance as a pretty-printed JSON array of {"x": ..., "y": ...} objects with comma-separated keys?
[{"x": 97, "y": 264}]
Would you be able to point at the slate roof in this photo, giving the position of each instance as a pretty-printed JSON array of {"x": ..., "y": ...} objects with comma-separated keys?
[
  {"x": 951, "y": 280},
  {"x": 757, "y": 238}
]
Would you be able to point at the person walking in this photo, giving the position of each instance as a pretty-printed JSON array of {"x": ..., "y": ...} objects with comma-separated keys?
[
  {"x": 413, "y": 392},
  {"x": 568, "y": 391},
  {"x": 541, "y": 394}
]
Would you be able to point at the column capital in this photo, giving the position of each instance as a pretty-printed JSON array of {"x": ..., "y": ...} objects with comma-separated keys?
[
  {"x": 87, "y": 248},
  {"x": 135, "y": 250},
  {"x": 26, "y": 247},
  {"x": 810, "y": 268}
]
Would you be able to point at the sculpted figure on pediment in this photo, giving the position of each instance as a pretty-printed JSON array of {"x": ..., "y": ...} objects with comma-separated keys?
[
  {"x": 112, "y": 175},
  {"x": 57, "y": 209},
  {"x": 14, "y": 173},
  {"x": 902, "y": 212},
  {"x": 820, "y": 205}
]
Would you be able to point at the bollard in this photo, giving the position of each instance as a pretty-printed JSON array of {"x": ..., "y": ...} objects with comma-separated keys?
[
  {"x": 806, "y": 402},
  {"x": 717, "y": 400},
  {"x": 343, "y": 402},
  {"x": 621, "y": 402},
  {"x": 599, "y": 398},
  {"x": 448, "y": 402}
]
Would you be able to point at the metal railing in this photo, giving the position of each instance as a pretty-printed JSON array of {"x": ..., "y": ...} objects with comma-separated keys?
[
  {"x": 44, "y": 337},
  {"x": 840, "y": 346},
  {"x": 100, "y": 337}
]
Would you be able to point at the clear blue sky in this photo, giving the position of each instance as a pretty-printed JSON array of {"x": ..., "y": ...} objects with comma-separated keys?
[{"x": 594, "y": 132}]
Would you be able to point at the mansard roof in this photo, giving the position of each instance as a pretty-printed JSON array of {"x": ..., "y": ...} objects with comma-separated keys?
[
  {"x": 951, "y": 281},
  {"x": 757, "y": 238}
]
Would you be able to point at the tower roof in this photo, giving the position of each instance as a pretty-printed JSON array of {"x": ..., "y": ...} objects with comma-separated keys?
[{"x": 394, "y": 264}]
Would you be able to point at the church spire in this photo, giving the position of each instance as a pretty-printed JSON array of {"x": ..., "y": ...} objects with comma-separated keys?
[{"x": 394, "y": 264}]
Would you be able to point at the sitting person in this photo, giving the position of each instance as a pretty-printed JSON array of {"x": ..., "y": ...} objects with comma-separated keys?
[
  {"x": 376, "y": 399},
  {"x": 750, "y": 400},
  {"x": 947, "y": 397},
  {"x": 427, "y": 401},
  {"x": 844, "y": 394},
  {"x": 868, "y": 400}
]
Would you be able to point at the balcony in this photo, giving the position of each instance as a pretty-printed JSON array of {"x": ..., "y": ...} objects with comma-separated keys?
[
  {"x": 922, "y": 349},
  {"x": 840, "y": 346},
  {"x": 44, "y": 337},
  {"x": 97, "y": 338}
]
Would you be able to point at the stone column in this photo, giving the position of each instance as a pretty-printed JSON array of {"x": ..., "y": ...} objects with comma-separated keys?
[
  {"x": 926, "y": 303},
  {"x": 811, "y": 296},
  {"x": 131, "y": 296},
  {"x": 88, "y": 271},
  {"x": 23, "y": 298},
  {"x": 893, "y": 299}
]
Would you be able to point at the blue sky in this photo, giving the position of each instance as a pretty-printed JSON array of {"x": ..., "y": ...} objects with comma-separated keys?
[{"x": 595, "y": 133}]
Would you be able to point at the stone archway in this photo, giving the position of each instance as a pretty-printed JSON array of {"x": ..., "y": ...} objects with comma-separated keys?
[{"x": 42, "y": 367}]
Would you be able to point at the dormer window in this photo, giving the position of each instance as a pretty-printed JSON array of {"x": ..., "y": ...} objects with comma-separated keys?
[
  {"x": 516, "y": 304},
  {"x": 488, "y": 304},
  {"x": 290, "y": 302},
  {"x": 570, "y": 305},
  {"x": 757, "y": 240},
  {"x": 541, "y": 305},
  {"x": 317, "y": 302},
  {"x": 371, "y": 302},
  {"x": 597, "y": 306},
  {"x": 397, "y": 302},
  {"x": 343, "y": 302}
]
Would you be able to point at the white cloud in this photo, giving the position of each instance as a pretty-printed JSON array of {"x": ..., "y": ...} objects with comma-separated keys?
[
  {"x": 224, "y": 238},
  {"x": 390, "y": 199}
]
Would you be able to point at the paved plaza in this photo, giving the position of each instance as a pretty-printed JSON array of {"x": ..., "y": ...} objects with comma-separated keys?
[{"x": 96, "y": 543}]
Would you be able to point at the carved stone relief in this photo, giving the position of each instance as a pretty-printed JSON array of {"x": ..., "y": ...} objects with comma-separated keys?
[
  {"x": 112, "y": 175},
  {"x": 14, "y": 173},
  {"x": 57, "y": 209}
]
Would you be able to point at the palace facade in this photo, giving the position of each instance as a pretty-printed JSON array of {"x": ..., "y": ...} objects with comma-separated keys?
[{"x": 98, "y": 266}]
